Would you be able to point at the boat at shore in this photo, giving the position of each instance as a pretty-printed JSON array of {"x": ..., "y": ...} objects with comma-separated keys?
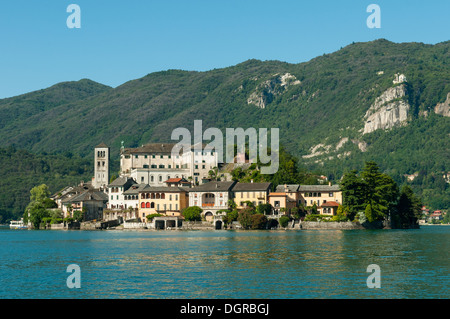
[{"x": 17, "y": 224}]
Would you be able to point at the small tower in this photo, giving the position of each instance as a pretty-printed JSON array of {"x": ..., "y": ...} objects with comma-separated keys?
[{"x": 101, "y": 166}]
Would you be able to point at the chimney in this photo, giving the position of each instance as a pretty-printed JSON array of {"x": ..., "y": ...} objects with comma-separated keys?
[
  {"x": 329, "y": 183},
  {"x": 285, "y": 188}
]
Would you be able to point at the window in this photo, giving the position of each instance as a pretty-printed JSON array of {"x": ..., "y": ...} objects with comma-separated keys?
[
  {"x": 142, "y": 179},
  {"x": 151, "y": 178},
  {"x": 160, "y": 178},
  {"x": 277, "y": 203},
  {"x": 177, "y": 166},
  {"x": 136, "y": 156},
  {"x": 176, "y": 196},
  {"x": 170, "y": 197},
  {"x": 142, "y": 205},
  {"x": 170, "y": 166},
  {"x": 176, "y": 206},
  {"x": 145, "y": 156},
  {"x": 162, "y": 156},
  {"x": 147, "y": 205},
  {"x": 331, "y": 194},
  {"x": 153, "y": 156}
]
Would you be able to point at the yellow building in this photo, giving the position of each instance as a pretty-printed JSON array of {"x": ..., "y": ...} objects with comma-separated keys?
[
  {"x": 320, "y": 195},
  {"x": 326, "y": 197},
  {"x": 257, "y": 193},
  {"x": 169, "y": 201}
]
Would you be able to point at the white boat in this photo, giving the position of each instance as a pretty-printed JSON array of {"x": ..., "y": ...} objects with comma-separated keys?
[{"x": 17, "y": 224}]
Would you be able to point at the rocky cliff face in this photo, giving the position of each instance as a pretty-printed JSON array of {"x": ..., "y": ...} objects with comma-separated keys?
[
  {"x": 443, "y": 108},
  {"x": 266, "y": 91},
  {"x": 389, "y": 109}
]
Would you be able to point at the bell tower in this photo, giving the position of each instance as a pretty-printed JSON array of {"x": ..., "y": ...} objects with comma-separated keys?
[{"x": 101, "y": 166}]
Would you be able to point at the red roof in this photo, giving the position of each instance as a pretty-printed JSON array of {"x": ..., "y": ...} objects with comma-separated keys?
[
  {"x": 330, "y": 204},
  {"x": 173, "y": 180}
]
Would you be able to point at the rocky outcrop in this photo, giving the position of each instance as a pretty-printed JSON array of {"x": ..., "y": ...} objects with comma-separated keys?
[
  {"x": 443, "y": 108},
  {"x": 389, "y": 109},
  {"x": 267, "y": 90}
]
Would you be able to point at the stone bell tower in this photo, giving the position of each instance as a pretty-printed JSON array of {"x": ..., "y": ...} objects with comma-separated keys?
[{"x": 101, "y": 166}]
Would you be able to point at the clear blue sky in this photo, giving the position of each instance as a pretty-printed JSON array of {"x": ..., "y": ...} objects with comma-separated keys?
[{"x": 123, "y": 40}]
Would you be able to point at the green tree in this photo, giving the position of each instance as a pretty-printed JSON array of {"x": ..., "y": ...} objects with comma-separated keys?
[
  {"x": 264, "y": 209},
  {"x": 284, "y": 221},
  {"x": 192, "y": 213},
  {"x": 409, "y": 209}
]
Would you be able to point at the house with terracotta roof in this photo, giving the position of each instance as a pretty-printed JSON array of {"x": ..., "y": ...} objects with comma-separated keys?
[
  {"x": 164, "y": 200},
  {"x": 257, "y": 193},
  {"x": 328, "y": 208}
]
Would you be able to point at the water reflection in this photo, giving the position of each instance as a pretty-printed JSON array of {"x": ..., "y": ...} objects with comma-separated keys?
[{"x": 225, "y": 264}]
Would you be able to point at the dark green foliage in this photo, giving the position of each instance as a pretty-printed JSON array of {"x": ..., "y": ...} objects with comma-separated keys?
[
  {"x": 22, "y": 170},
  {"x": 192, "y": 213},
  {"x": 335, "y": 92},
  {"x": 284, "y": 221},
  {"x": 378, "y": 197},
  {"x": 408, "y": 210}
]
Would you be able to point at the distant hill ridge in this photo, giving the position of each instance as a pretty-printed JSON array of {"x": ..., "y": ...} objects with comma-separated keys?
[{"x": 321, "y": 107}]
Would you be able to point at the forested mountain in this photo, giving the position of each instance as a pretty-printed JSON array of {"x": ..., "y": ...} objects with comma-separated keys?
[{"x": 378, "y": 100}]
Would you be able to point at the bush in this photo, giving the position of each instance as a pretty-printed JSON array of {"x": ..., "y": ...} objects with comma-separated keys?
[
  {"x": 192, "y": 213},
  {"x": 284, "y": 221},
  {"x": 151, "y": 216},
  {"x": 258, "y": 221}
]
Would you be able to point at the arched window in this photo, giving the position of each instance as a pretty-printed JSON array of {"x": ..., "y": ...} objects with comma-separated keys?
[
  {"x": 163, "y": 196},
  {"x": 143, "y": 195},
  {"x": 142, "y": 205},
  {"x": 147, "y": 205},
  {"x": 152, "y": 205}
]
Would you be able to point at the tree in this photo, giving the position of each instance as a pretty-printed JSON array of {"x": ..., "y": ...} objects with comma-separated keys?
[
  {"x": 192, "y": 213},
  {"x": 264, "y": 209},
  {"x": 36, "y": 213},
  {"x": 408, "y": 210},
  {"x": 245, "y": 217},
  {"x": 230, "y": 216},
  {"x": 353, "y": 192},
  {"x": 39, "y": 193},
  {"x": 284, "y": 221},
  {"x": 259, "y": 221},
  {"x": 37, "y": 210}
]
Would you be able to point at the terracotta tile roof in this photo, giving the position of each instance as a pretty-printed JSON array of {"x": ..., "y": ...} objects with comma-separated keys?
[{"x": 330, "y": 204}]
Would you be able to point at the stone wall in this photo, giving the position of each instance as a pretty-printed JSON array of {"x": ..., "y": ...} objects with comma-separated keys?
[
  {"x": 201, "y": 225},
  {"x": 329, "y": 225}
]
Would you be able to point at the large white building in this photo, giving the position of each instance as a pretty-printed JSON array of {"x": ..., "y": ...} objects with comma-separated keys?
[{"x": 153, "y": 164}]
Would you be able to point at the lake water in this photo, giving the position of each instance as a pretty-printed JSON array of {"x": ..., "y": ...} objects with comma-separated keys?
[{"x": 226, "y": 264}]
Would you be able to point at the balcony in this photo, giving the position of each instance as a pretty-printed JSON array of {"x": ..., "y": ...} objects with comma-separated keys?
[{"x": 207, "y": 204}]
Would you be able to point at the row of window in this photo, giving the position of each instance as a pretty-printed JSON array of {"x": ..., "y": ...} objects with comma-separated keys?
[
  {"x": 169, "y": 156},
  {"x": 101, "y": 153},
  {"x": 157, "y": 206},
  {"x": 158, "y": 196},
  {"x": 126, "y": 197},
  {"x": 316, "y": 194}
]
